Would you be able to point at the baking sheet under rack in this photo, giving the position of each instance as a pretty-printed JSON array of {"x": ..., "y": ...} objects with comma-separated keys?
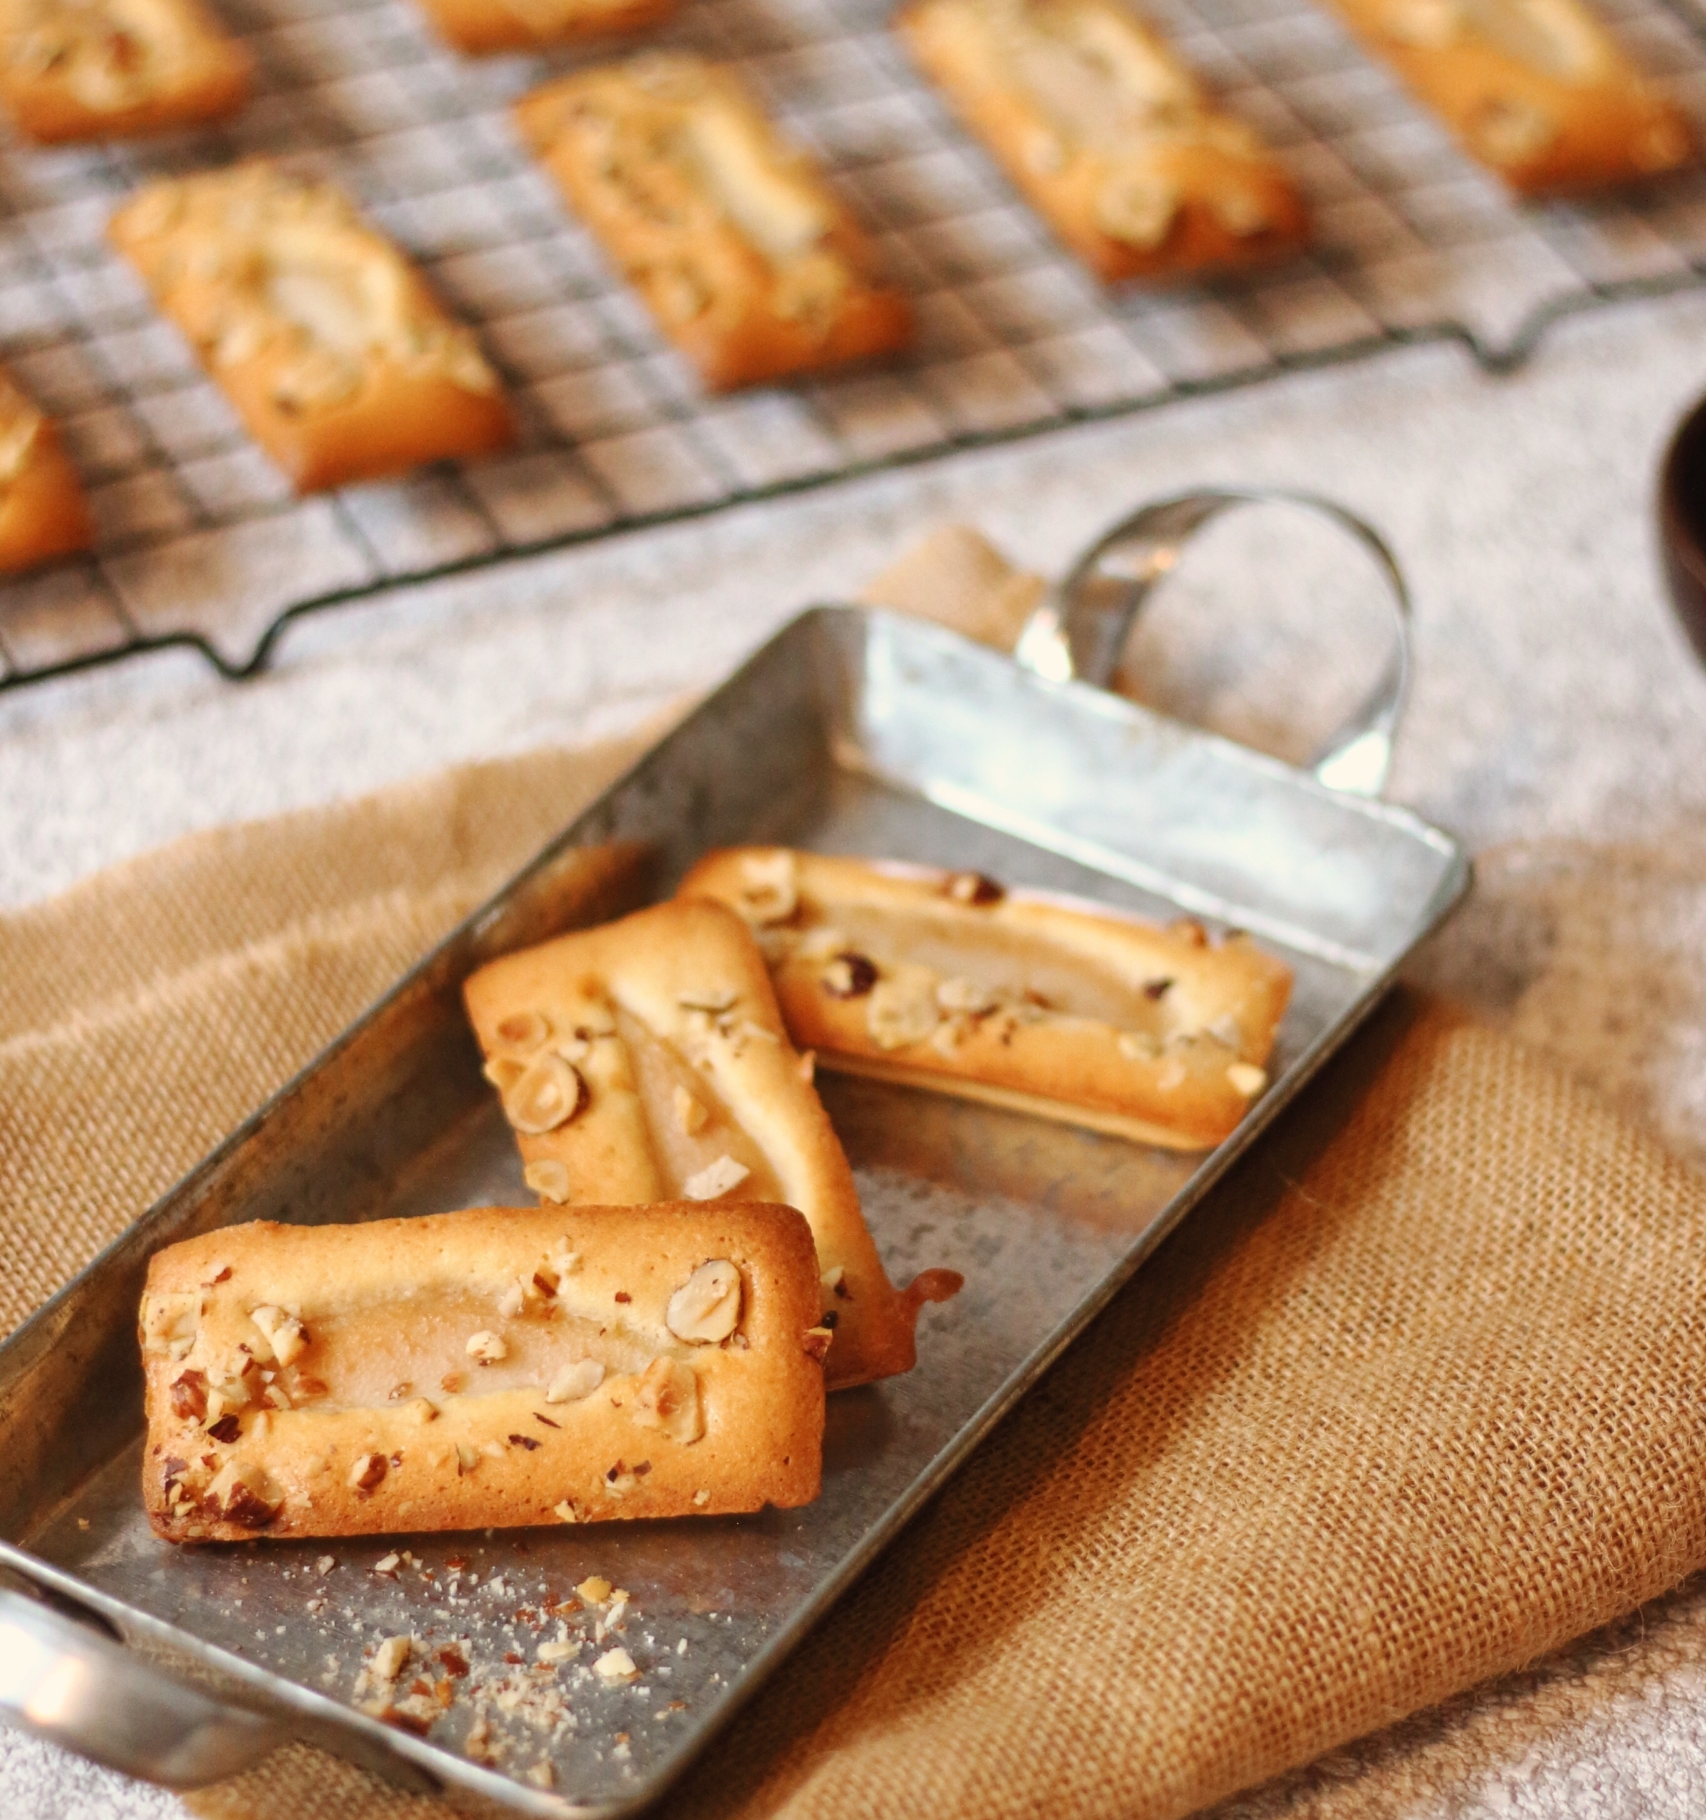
[{"x": 202, "y": 544}]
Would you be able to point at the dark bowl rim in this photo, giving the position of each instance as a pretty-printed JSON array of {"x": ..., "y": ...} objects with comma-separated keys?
[{"x": 1682, "y": 532}]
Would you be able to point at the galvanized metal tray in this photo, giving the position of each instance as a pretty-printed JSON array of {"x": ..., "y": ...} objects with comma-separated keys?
[{"x": 851, "y": 731}]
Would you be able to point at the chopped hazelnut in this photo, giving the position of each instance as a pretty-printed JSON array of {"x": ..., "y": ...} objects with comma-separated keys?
[
  {"x": 392, "y": 1657},
  {"x": 487, "y": 1348},
  {"x": 522, "y": 1033},
  {"x": 668, "y": 1399},
  {"x": 284, "y": 1333},
  {"x": 973, "y": 888},
  {"x": 547, "y": 1096},
  {"x": 423, "y": 1411},
  {"x": 1247, "y": 1078},
  {"x": 615, "y": 1665},
  {"x": 557, "y": 1649},
  {"x": 769, "y": 891},
  {"x": 849, "y": 976},
  {"x": 901, "y": 1012},
  {"x": 715, "y": 1179},
  {"x": 368, "y": 1470},
  {"x": 595, "y": 1589},
  {"x": 817, "y": 1341},
  {"x": 706, "y": 1308}
]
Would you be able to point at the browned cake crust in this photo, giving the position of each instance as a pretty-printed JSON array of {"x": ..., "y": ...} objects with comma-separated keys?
[
  {"x": 1108, "y": 134},
  {"x": 116, "y": 68},
  {"x": 500, "y": 1366},
  {"x": 480, "y": 27},
  {"x": 750, "y": 264},
  {"x": 1536, "y": 90},
  {"x": 331, "y": 347},
  {"x": 43, "y": 513},
  {"x": 1045, "y": 1004},
  {"x": 646, "y": 1061}
]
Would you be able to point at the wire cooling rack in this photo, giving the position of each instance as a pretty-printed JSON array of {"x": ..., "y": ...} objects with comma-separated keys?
[{"x": 201, "y": 542}]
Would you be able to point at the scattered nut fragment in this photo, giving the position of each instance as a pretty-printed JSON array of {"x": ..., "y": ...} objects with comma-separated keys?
[
  {"x": 901, "y": 1012},
  {"x": 706, "y": 1308},
  {"x": 973, "y": 888},
  {"x": 715, "y": 1179},
  {"x": 700, "y": 1500},
  {"x": 479, "y": 1745},
  {"x": 423, "y": 1411},
  {"x": 242, "y": 1495},
  {"x": 566, "y": 1511},
  {"x": 769, "y": 891},
  {"x": 817, "y": 1341},
  {"x": 1247, "y": 1078},
  {"x": 487, "y": 1348},
  {"x": 615, "y": 1665},
  {"x": 392, "y": 1657},
  {"x": 557, "y": 1649},
  {"x": 546, "y": 1097},
  {"x": 548, "y": 1178},
  {"x": 368, "y": 1471},
  {"x": 835, "y": 1280},
  {"x": 595, "y": 1589},
  {"x": 668, "y": 1399},
  {"x": 511, "y": 1301},
  {"x": 467, "y": 1458},
  {"x": 849, "y": 976},
  {"x": 690, "y": 1113},
  {"x": 285, "y": 1334},
  {"x": 522, "y": 1033},
  {"x": 189, "y": 1396},
  {"x": 324, "y": 1564},
  {"x": 169, "y": 1323},
  {"x": 1138, "y": 207},
  {"x": 573, "y": 1382},
  {"x": 541, "y": 1775},
  {"x": 965, "y": 996},
  {"x": 1135, "y": 1046}
]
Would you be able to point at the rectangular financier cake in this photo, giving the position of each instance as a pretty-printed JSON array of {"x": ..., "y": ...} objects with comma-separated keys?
[
  {"x": 1537, "y": 90},
  {"x": 464, "y": 1370},
  {"x": 1109, "y": 135},
  {"x": 334, "y": 352},
  {"x": 42, "y": 510},
  {"x": 480, "y": 27},
  {"x": 749, "y": 262},
  {"x": 645, "y": 1060},
  {"x": 108, "y": 69},
  {"x": 1045, "y": 1004}
]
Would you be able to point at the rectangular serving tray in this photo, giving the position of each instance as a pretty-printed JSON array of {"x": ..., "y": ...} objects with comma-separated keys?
[{"x": 852, "y": 731}]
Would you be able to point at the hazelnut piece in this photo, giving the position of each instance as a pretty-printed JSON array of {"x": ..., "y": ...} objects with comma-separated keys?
[
  {"x": 548, "y": 1178},
  {"x": 706, "y": 1308},
  {"x": 548, "y": 1095},
  {"x": 521, "y": 1033},
  {"x": 487, "y": 1348},
  {"x": 285, "y": 1334},
  {"x": 973, "y": 888},
  {"x": 769, "y": 889},
  {"x": 367, "y": 1472},
  {"x": 668, "y": 1398},
  {"x": 849, "y": 976},
  {"x": 715, "y": 1179}
]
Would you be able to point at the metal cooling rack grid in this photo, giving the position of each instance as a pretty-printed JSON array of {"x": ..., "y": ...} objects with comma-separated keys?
[{"x": 202, "y": 543}]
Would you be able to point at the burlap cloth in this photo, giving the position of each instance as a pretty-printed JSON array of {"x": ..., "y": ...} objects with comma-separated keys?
[{"x": 1414, "y": 1400}]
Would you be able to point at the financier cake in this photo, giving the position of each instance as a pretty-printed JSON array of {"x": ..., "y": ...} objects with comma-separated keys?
[
  {"x": 645, "y": 1060},
  {"x": 1046, "y": 1004},
  {"x": 465, "y": 1370}
]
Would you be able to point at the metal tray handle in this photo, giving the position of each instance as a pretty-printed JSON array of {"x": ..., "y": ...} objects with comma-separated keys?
[
  {"x": 65, "y": 1681},
  {"x": 1080, "y": 628}
]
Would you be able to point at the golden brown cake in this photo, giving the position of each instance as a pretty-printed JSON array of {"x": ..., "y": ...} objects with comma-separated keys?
[
  {"x": 43, "y": 513},
  {"x": 1536, "y": 90},
  {"x": 749, "y": 262},
  {"x": 1108, "y": 134},
  {"x": 646, "y": 1061},
  {"x": 499, "y": 1366},
  {"x": 1045, "y": 1004},
  {"x": 479, "y": 27},
  {"x": 336, "y": 355},
  {"x": 109, "y": 69}
]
